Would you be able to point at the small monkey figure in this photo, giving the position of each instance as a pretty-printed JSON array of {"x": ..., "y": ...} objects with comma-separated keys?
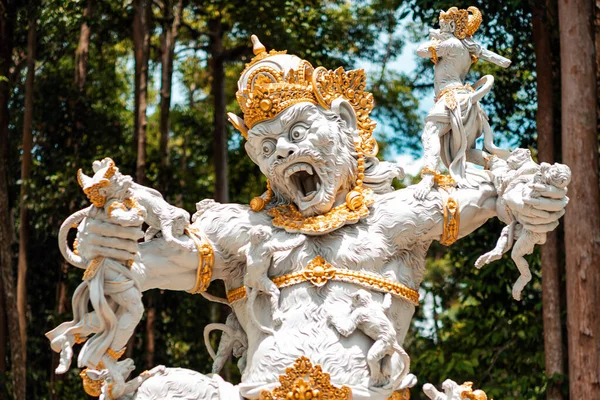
[
  {"x": 259, "y": 253},
  {"x": 370, "y": 317},
  {"x": 233, "y": 340},
  {"x": 557, "y": 175}
]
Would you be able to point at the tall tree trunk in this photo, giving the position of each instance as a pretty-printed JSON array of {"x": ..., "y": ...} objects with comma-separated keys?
[
  {"x": 7, "y": 20},
  {"x": 551, "y": 264},
  {"x": 150, "y": 328},
  {"x": 3, "y": 335},
  {"x": 217, "y": 64},
  {"x": 169, "y": 39},
  {"x": 141, "y": 44},
  {"x": 82, "y": 52},
  {"x": 582, "y": 219},
  {"x": 25, "y": 173}
]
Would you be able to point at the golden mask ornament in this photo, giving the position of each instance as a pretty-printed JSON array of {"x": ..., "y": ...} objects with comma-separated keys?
[
  {"x": 303, "y": 381},
  {"x": 91, "y": 186},
  {"x": 466, "y": 25}
]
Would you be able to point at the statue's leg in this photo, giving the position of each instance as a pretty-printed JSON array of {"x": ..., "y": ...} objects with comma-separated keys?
[
  {"x": 524, "y": 245},
  {"x": 129, "y": 314},
  {"x": 273, "y": 291},
  {"x": 502, "y": 246},
  {"x": 431, "y": 155},
  {"x": 378, "y": 350}
]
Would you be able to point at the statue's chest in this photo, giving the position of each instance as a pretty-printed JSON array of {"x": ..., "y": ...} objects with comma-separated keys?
[{"x": 359, "y": 248}]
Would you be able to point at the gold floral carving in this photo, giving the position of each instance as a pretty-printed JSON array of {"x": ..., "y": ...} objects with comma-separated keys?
[
  {"x": 403, "y": 394},
  {"x": 206, "y": 259},
  {"x": 319, "y": 272},
  {"x": 451, "y": 222},
  {"x": 90, "y": 386},
  {"x": 289, "y": 218},
  {"x": 304, "y": 381},
  {"x": 93, "y": 192},
  {"x": 470, "y": 394}
]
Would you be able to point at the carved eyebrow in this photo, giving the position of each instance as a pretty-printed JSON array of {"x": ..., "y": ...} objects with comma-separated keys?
[{"x": 295, "y": 113}]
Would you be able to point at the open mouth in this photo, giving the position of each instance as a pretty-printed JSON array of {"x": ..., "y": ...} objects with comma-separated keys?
[{"x": 304, "y": 179}]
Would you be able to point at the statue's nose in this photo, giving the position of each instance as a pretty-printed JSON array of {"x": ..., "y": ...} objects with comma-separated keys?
[{"x": 284, "y": 148}]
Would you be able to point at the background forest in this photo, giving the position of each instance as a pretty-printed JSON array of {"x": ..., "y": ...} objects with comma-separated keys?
[{"x": 148, "y": 83}]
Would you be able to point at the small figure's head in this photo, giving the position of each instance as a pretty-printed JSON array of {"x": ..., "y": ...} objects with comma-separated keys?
[
  {"x": 259, "y": 234},
  {"x": 107, "y": 182},
  {"x": 361, "y": 298},
  {"x": 558, "y": 175},
  {"x": 518, "y": 158},
  {"x": 459, "y": 22}
]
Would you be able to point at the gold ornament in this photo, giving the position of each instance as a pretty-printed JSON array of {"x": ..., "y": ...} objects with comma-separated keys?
[
  {"x": 354, "y": 200},
  {"x": 466, "y": 25},
  {"x": 115, "y": 355},
  {"x": 304, "y": 381},
  {"x": 92, "y": 268},
  {"x": 289, "y": 218},
  {"x": 90, "y": 386},
  {"x": 434, "y": 57},
  {"x": 451, "y": 221},
  {"x": 403, "y": 394},
  {"x": 206, "y": 259},
  {"x": 258, "y": 203},
  {"x": 470, "y": 394},
  {"x": 319, "y": 272}
]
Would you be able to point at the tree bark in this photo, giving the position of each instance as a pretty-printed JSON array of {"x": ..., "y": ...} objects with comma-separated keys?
[
  {"x": 7, "y": 20},
  {"x": 141, "y": 44},
  {"x": 551, "y": 263},
  {"x": 169, "y": 39},
  {"x": 582, "y": 219},
  {"x": 25, "y": 173},
  {"x": 217, "y": 63},
  {"x": 3, "y": 335},
  {"x": 82, "y": 52},
  {"x": 150, "y": 327}
]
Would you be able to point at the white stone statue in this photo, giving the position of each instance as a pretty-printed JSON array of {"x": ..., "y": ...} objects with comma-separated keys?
[
  {"x": 233, "y": 341},
  {"x": 343, "y": 252},
  {"x": 457, "y": 119}
]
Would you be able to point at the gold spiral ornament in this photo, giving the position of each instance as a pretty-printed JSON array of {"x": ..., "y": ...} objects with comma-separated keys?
[{"x": 355, "y": 200}]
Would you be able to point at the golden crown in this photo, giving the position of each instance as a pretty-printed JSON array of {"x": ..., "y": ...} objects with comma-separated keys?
[
  {"x": 466, "y": 25},
  {"x": 274, "y": 81}
]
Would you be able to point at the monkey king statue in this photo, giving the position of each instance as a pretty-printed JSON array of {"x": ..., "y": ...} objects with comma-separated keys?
[{"x": 322, "y": 270}]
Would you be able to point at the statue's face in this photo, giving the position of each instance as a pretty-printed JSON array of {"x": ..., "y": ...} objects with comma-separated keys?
[
  {"x": 447, "y": 26},
  {"x": 307, "y": 156}
]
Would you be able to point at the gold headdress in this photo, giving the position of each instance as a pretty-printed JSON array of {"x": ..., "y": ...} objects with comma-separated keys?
[{"x": 466, "y": 25}]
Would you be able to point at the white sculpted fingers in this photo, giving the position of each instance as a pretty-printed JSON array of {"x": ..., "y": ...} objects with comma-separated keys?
[
  {"x": 129, "y": 246},
  {"x": 113, "y": 230},
  {"x": 541, "y": 228},
  {"x": 549, "y": 191},
  {"x": 547, "y": 204},
  {"x": 116, "y": 254},
  {"x": 432, "y": 392}
]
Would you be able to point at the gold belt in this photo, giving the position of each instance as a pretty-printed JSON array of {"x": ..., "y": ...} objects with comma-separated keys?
[{"x": 319, "y": 272}]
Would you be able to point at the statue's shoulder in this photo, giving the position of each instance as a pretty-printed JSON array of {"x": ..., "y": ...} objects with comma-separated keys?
[{"x": 227, "y": 223}]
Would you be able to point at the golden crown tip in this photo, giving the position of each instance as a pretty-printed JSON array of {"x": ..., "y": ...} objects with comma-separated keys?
[{"x": 257, "y": 46}]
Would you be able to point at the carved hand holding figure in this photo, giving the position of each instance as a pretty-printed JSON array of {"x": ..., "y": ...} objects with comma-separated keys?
[{"x": 522, "y": 176}]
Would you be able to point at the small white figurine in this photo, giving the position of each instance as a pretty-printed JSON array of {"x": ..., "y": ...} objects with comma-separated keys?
[
  {"x": 259, "y": 251},
  {"x": 370, "y": 317},
  {"x": 518, "y": 178}
]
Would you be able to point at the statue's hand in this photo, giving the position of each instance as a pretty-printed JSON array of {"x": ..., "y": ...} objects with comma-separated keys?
[
  {"x": 100, "y": 235},
  {"x": 538, "y": 208}
]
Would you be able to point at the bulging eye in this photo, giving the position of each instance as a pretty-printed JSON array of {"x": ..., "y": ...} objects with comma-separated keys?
[
  {"x": 268, "y": 147},
  {"x": 298, "y": 132}
]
